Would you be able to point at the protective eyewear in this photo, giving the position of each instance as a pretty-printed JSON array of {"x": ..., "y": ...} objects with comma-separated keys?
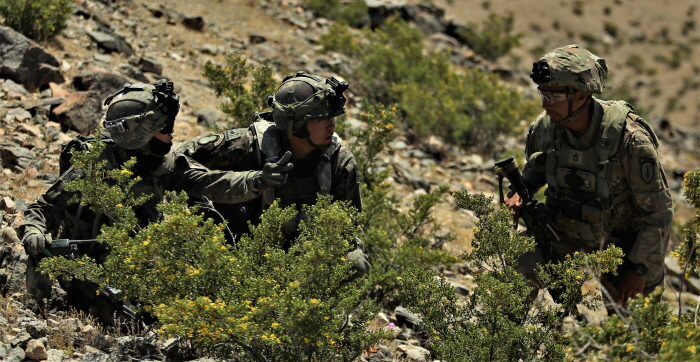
[{"x": 553, "y": 96}]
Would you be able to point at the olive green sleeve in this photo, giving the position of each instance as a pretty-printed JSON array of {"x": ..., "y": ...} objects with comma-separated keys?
[
  {"x": 346, "y": 178},
  {"x": 49, "y": 210},
  {"x": 536, "y": 137},
  {"x": 182, "y": 173},
  {"x": 651, "y": 198}
]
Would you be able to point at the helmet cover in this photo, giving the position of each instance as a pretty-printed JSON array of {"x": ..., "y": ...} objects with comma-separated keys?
[
  {"x": 571, "y": 66},
  {"x": 305, "y": 97},
  {"x": 139, "y": 111}
]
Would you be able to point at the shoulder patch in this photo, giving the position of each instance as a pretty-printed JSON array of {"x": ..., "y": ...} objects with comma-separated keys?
[
  {"x": 210, "y": 139},
  {"x": 648, "y": 168},
  {"x": 233, "y": 134}
]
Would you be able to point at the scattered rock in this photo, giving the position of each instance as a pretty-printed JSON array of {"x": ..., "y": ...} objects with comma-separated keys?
[
  {"x": 35, "y": 350},
  {"x": 7, "y": 205},
  {"x": 207, "y": 117},
  {"x": 111, "y": 42},
  {"x": 25, "y": 62},
  {"x": 406, "y": 318},
  {"x": 55, "y": 355},
  {"x": 37, "y": 329},
  {"x": 193, "y": 22},
  {"x": 9, "y": 235},
  {"x": 15, "y": 157},
  {"x": 409, "y": 353},
  {"x": 80, "y": 112},
  {"x": 101, "y": 82}
]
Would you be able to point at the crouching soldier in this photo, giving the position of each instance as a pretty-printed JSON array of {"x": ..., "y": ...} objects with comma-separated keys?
[{"x": 290, "y": 153}]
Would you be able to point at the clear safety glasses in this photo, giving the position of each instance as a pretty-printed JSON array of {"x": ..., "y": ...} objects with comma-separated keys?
[{"x": 553, "y": 96}]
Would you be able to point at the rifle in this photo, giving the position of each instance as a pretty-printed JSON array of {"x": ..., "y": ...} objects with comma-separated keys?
[
  {"x": 536, "y": 217},
  {"x": 66, "y": 247}
]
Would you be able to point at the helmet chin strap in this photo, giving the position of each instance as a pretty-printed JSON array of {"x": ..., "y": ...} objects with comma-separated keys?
[
  {"x": 304, "y": 134},
  {"x": 572, "y": 114}
]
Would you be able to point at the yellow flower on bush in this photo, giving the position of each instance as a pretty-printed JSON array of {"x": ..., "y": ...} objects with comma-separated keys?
[{"x": 313, "y": 301}]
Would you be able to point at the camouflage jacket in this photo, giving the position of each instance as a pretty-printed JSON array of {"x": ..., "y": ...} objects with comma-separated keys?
[
  {"x": 242, "y": 152},
  {"x": 52, "y": 212},
  {"x": 622, "y": 196}
]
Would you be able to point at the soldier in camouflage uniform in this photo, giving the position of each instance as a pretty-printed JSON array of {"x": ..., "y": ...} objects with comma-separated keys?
[
  {"x": 605, "y": 184},
  {"x": 291, "y": 153},
  {"x": 140, "y": 120}
]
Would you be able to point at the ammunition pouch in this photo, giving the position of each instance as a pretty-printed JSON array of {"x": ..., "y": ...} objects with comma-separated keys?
[{"x": 583, "y": 220}]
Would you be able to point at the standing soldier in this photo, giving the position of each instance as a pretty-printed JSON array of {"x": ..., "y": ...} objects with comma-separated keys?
[
  {"x": 291, "y": 153},
  {"x": 605, "y": 184}
]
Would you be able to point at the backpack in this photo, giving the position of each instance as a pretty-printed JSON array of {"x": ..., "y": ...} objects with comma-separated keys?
[{"x": 80, "y": 143}]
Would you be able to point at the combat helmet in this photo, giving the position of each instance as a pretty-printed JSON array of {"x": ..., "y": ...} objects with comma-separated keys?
[
  {"x": 138, "y": 111},
  {"x": 571, "y": 66},
  {"x": 304, "y": 97}
]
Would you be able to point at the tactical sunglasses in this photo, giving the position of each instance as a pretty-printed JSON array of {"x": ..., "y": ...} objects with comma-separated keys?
[{"x": 553, "y": 96}]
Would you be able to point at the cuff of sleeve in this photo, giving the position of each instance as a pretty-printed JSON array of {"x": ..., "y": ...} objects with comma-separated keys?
[{"x": 253, "y": 181}]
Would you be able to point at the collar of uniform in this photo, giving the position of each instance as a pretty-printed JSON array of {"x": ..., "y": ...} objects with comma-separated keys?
[{"x": 588, "y": 138}]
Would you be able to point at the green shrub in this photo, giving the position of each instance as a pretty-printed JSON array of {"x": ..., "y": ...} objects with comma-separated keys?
[
  {"x": 396, "y": 241},
  {"x": 464, "y": 106},
  {"x": 611, "y": 29},
  {"x": 36, "y": 19},
  {"x": 495, "y": 38},
  {"x": 253, "y": 301},
  {"x": 351, "y": 13},
  {"x": 495, "y": 323},
  {"x": 232, "y": 81}
]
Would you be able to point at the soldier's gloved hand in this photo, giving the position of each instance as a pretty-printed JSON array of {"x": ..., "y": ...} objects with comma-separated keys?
[
  {"x": 274, "y": 174},
  {"x": 34, "y": 241}
]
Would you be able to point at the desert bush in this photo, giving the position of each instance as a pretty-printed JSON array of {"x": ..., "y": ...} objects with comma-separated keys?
[
  {"x": 395, "y": 240},
  {"x": 253, "y": 301},
  {"x": 494, "y": 322},
  {"x": 495, "y": 38},
  {"x": 352, "y": 13},
  {"x": 244, "y": 96},
  {"x": 464, "y": 106},
  {"x": 36, "y": 19}
]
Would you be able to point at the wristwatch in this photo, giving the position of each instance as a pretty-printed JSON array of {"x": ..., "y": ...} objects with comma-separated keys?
[{"x": 640, "y": 269}]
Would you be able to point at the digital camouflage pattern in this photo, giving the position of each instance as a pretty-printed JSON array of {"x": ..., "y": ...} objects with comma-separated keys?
[
  {"x": 571, "y": 66},
  {"x": 640, "y": 209}
]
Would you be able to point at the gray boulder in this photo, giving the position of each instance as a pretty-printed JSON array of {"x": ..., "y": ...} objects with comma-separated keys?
[
  {"x": 81, "y": 112},
  {"x": 15, "y": 157},
  {"x": 111, "y": 42},
  {"x": 102, "y": 83},
  {"x": 25, "y": 62}
]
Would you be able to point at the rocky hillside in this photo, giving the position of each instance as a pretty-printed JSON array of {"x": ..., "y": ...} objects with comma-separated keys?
[{"x": 51, "y": 92}]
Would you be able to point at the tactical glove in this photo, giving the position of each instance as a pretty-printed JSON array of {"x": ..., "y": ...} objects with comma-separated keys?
[
  {"x": 35, "y": 241},
  {"x": 274, "y": 174}
]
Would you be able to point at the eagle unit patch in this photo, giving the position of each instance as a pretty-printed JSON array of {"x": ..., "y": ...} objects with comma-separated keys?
[{"x": 648, "y": 168}]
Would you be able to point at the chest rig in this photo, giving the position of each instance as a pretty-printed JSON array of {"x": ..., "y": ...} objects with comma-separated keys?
[
  {"x": 267, "y": 138},
  {"x": 579, "y": 196}
]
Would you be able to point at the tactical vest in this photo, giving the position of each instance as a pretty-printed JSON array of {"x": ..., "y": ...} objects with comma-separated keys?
[
  {"x": 578, "y": 189},
  {"x": 269, "y": 143}
]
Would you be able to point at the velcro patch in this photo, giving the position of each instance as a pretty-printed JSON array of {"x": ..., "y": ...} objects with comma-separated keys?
[
  {"x": 648, "y": 168},
  {"x": 210, "y": 139}
]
